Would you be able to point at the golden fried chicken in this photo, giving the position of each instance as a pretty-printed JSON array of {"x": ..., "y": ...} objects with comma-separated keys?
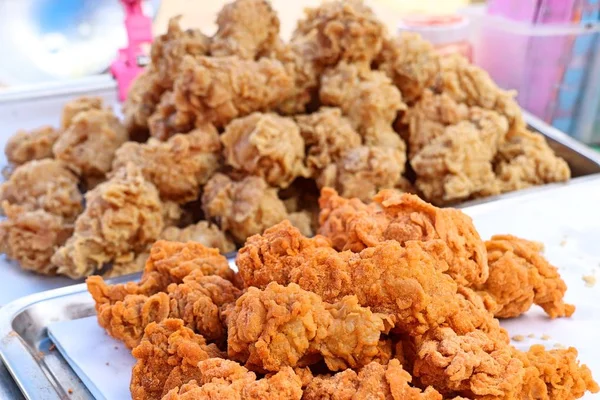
[
  {"x": 166, "y": 121},
  {"x": 242, "y": 208},
  {"x": 44, "y": 185},
  {"x": 36, "y": 144},
  {"x": 142, "y": 98},
  {"x": 247, "y": 29},
  {"x": 265, "y": 145},
  {"x": 122, "y": 216},
  {"x": 177, "y": 167},
  {"x": 404, "y": 217},
  {"x": 167, "y": 357},
  {"x": 88, "y": 145},
  {"x": 520, "y": 276},
  {"x": 219, "y": 89},
  {"x": 202, "y": 232},
  {"x": 327, "y": 135},
  {"x": 227, "y": 380},
  {"x": 78, "y": 105},
  {"x": 32, "y": 236},
  {"x": 286, "y": 326}
]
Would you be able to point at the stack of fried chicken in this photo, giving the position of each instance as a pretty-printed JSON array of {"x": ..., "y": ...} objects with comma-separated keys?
[
  {"x": 228, "y": 135},
  {"x": 392, "y": 300}
]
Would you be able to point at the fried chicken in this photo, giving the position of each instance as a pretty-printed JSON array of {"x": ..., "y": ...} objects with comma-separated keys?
[
  {"x": 227, "y": 380},
  {"x": 217, "y": 90},
  {"x": 166, "y": 121},
  {"x": 32, "y": 236},
  {"x": 242, "y": 208},
  {"x": 177, "y": 167},
  {"x": 167, "y": 357},
  {"x": 142, "y": 98},
  {"x": 36, "y": 144},
  {"x": 122, "y": 216},
  {"x": 79, "y": 105},
  {"x": 265, "y": 145},
  {"x": 88, "y": 145},
  {"x": 44, "y": 185},
  {"x": 202, "y": 232},
  {"x": 286, "y": 326},
  {"x": 247, "y": 29},
  {"x": 404, "y": 217},
  {"x": 520, "y": 276}
]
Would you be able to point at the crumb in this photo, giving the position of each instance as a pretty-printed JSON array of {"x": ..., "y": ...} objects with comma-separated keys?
[
  {"x": 563, "y": 242},
  {"x": 107, "y": 364},
  {"x": 116, "y": 347},
  {"x": 531, "y": 335},
  {"x": 52, "y": 347},
  {"x": 518, "y": 338},
  {"x": 590, "y": 280},
  {"x": 546, "y": 337},
  {"x": 558, "y": 346},
  {"x": 70, "y": 391}
]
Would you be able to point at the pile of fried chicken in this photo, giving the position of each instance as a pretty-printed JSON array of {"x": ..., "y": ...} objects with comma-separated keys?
[
  {"x": 226, "y": 136},
  {"x": 392, "y": 300}
]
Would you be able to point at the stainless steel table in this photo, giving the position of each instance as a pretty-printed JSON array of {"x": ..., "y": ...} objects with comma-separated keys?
[{"x": 8, "y": 387}]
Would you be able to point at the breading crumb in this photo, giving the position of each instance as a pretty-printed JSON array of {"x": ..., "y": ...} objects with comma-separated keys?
[
  {"x": 545, "y": 337},
  {"x": 563, "y": 243},
  {"x": 518, "y": 338},
  {"x": 531, "y": 335},
  {"x": 558, "y": 346},
  {"x": 590, "y": 280},
  {"x": 70, "y": 391},
  {"x": 52, "y": 347}
]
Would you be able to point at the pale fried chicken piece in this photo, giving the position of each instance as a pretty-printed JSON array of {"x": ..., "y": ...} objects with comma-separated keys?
[
  {"x": 88, "y": 146},
  {"x": 265, "y": 145},
  {"x": 362, "y": 171},
  {"x": 525, "y": 159},
  {"x": 177, "y": 167},
  {"x": 78, "y": 105},
  {"x": 404, "y": 217},
  {"x": 374, "y": 381},
  {"x": 196, "y": 301},
  {"x": 130, "y": 264},
  {"x": 304, "y": 221},
  {"x": 142, "y": 98},
  {"x": 36, "y": 144},
  {"x": 520, "y": 276},
  {"x": 122, "y": 216},
  {"x": 168, "y": 262},
  {"x": 166, "y": 121},
  {"x": 286, "y": 326},
  {"x": 32, "y": 236},
  {"x": 44, "y": 185},
  {"x": 411, "y": 62},
  {"x": 242, "y": 208},
  {"x": 227, "y": 380},
  {"x": 327, "y": 135},
  {"x": 247, "y": 29},
  {"x": 219, "y": 89},
  {"x": 167, "y": 357},
  {"x": 202, "y": 232}
]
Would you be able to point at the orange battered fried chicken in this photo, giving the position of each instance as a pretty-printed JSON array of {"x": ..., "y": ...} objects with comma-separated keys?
[{"x": 202, "y": 232}]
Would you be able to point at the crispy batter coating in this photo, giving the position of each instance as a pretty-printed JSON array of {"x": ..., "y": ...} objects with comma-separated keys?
[
  {"x": 36, "y": 144},
  {"x": 166, "y": 121},
  {"x": 177, "y": 167},
  {"x": 202, "y": 232},
  {"x": 265, "y": 145},
  {"x": 78, "y": 105},
  {"x": 227, "y": 380},
  {"x": 142, "y": 98},
  {"x": 44, "y": 185},
  {"x": 286, "y": 326},
  {"x": 242, "y": 208},
  {"x": 404, "y": 217},
  {"x": 217, "y": 90},
  {"x": 327, "y": 135},
  {"x": 520, "y": 276},
  {"x": 88, "y": 146},
  {"x": 32, "y": 236},
  {"x": 122, "y": 216},
  {"x": 167, "y": 357},
  {"x": 247, "y": 29}
]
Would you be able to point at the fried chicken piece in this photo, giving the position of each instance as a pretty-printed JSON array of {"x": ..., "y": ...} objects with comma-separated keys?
[
  {"x": 247, "y": 29},
  {"x": 265, "y": 145},
  {"x": 177, "y": 167},
  {"x": 242, "y": 208},
  {"x": 405, "y": 217},
  {"x": 525, "y": 159},
  {"x": 520, "y": 276},
  {"x": 219, "y": 89},
  {"x": 142, "y": 98},
  {"x": 36, "y": 144},
  {"x": 286, "y": 326},
  {"x": 88, "y": 146},
  {"x": 304, "y": 221},
  {"x": 79, "y": 105},
  {"x": 127, "y": 265},
  {"x": 32, "y": 236},
  {"x": 167, "y": 357},
  {"x": 227, "y": 380},
  {"x": 168, "y": 263},
  {"x": 196, "y": 301},
  {"x": 327, "y": 135},
  {"x": 374, "y": 381},
  {"x": 44, "y": 185},
  {"x": 202, "y": 232},
  {"x": 122, "y": 216},
  {"x": 166, "y": 121}
]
